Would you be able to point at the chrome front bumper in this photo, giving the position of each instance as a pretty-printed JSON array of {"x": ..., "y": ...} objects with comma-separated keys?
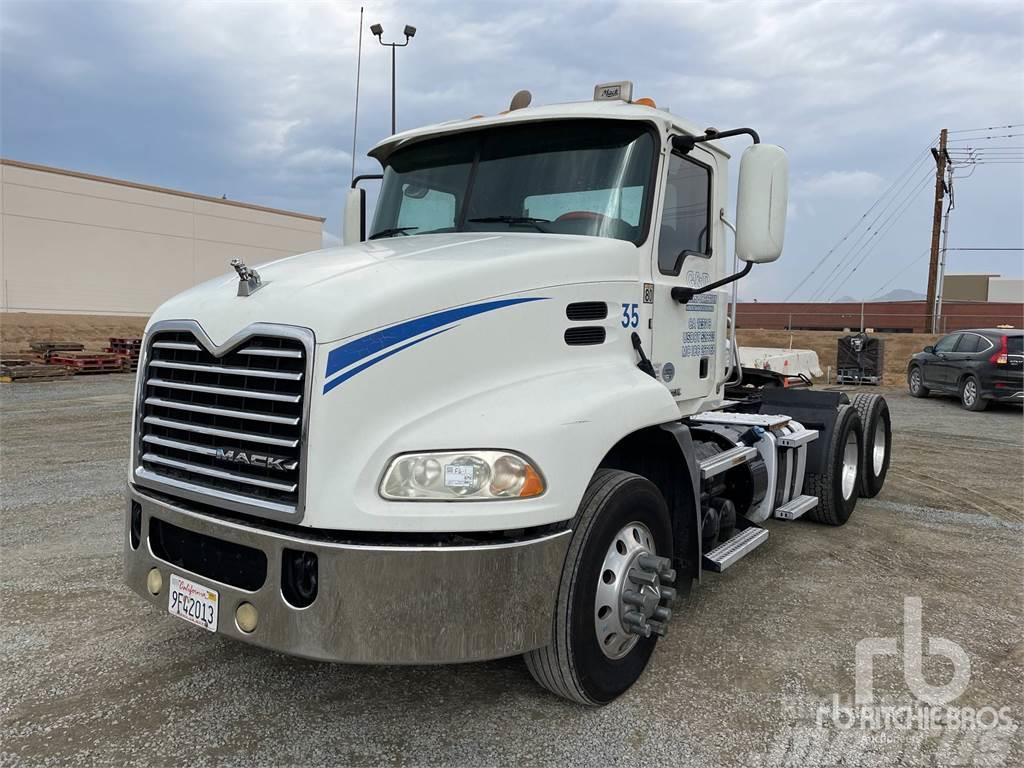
[{"x": 375, "y": 604}]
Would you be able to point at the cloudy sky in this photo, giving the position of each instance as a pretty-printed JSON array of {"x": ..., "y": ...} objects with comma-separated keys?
[{"x": 254, "y": 100}]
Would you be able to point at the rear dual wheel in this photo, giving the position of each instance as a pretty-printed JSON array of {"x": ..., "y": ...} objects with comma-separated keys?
[
  {"x": 837, "y": 486},
  {"x": 599, "y": 644},
  {"x": 876, "y": 446}
]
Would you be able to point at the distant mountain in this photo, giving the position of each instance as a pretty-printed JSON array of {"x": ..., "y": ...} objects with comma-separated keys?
[{"x": 900, "y": 294}]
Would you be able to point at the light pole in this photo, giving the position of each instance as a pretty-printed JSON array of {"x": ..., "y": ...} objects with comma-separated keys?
[{"x": 410, "y": 32}]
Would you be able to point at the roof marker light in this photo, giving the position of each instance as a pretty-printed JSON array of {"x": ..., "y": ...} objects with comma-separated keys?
[{"x": 620, "y": 91}]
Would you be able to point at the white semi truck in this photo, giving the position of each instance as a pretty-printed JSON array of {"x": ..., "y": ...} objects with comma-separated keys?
[{"x": 506, "y": 418}]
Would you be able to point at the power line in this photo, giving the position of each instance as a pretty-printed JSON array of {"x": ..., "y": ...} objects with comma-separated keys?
[
  {"x": 918, "y": 159},
  {"x": 985, "y": 249},
  {"x": 888, "y": 211},
  {"x": 989, "y": 128},
  {"x": 880, "y": 234},
  {"x": 989, "y": 137},
  {"x": 843, "y": 272},
  {"x": 867, "y": 235},
  {"x": 903, "y": 269}
]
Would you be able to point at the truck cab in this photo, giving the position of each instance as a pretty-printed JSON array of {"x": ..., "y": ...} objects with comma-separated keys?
[{"x": 498, "y": 419}]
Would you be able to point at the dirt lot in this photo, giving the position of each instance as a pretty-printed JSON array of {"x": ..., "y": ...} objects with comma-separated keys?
[
  {"x": 17, "y": 329},
  {"x": 92, "y": 675}
]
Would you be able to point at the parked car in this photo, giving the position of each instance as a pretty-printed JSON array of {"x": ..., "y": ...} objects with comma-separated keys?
[{"x": 977, "y": 365}]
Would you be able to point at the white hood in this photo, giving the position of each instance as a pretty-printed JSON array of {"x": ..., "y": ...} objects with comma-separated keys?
[{"x": 338, "y": 292}]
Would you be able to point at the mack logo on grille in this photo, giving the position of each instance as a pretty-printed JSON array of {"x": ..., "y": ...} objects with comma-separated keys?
[{"x": 256, "y": 459}]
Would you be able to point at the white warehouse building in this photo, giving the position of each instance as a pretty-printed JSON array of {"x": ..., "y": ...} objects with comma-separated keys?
[{"x": 77, "y": 243}]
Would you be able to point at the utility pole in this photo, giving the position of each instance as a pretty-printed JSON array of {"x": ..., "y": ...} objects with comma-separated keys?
[
  {"x": 941, "y": 158},
  {"x": 945, "y": 242}
]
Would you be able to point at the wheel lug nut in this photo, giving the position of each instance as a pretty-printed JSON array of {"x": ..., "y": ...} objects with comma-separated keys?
[
  {"x": 663, "y": 614},
  {"x": 630, "y": 597},
  {"x": 668, "y": 594},
  {"x": 653, "y": 563},
  {"x": 659, "y": 628},
  {"x": 635, "y": 621}
]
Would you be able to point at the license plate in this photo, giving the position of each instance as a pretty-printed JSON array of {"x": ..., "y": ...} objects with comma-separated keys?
[{"x": 193, "y": 602}]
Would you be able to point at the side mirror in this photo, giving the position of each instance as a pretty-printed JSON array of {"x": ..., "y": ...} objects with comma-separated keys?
[
  {"x": 761, "y": 203},
  {"x": 930, "y": 350},
  {"x": 354, "y": 225}
]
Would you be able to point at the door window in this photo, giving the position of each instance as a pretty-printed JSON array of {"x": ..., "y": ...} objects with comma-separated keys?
[
  {"x": 947, "y": 343},
  {"x": 685, "y": 219}
]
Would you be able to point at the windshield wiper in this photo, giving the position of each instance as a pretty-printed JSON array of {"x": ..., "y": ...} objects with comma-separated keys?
[
  {"x": 391, "y": 232},
  {"x": 512, "y": 220}
]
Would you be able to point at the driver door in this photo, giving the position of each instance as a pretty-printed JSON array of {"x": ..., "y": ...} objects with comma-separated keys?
[
  {"x": 685, "y": 336},
  {"x": 938, "y": 366}
]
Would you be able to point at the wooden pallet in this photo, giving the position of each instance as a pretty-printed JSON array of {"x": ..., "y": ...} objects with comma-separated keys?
[
  {"x": 125, "y": 341},
  {"x": 32, "y": 372},
  {"x": 128, "y": 348},
  {"x": 46, "y": 347},
  {"x": 20, "y": 358},
  {"x": 88, "y": 362}
]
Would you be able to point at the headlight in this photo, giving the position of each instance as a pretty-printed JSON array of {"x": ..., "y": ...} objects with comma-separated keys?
[{"x": 457, "y": 475}]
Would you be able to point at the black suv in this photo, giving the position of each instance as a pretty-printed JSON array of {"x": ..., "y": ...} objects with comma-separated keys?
[{"x": 976, "y": 365}]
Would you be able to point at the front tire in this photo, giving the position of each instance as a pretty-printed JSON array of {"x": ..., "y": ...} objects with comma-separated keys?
[
  {"x": 877, "y": 444},
  {"x": 970, "y": 395},
  {"x": 838, "y": 486},
  {"x": 915, "y": 382},
  {"x": 586, "y": 662}
]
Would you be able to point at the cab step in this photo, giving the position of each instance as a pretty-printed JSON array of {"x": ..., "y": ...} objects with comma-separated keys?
[
  {"x": 720, "y": 462},
  {"x": 736, "y": 548},
  {"x": 796, "y": 507}
]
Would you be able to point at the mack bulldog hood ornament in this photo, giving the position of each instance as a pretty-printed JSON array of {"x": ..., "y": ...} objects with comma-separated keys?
[{"x": 249, "y": 280}]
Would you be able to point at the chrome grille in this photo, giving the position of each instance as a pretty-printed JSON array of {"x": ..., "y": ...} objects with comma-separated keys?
[{"x": 226, "y": 426}]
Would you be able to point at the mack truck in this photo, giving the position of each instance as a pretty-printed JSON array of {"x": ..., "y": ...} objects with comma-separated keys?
[{"x": 505, "y": 417}]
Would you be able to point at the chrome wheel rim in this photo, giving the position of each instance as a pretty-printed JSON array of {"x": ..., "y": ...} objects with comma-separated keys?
[
  {"x": 850, "y": 459},
  {"x": 915, "y": 380},
  {"x": 970, "y": 392},
  {"x": 633, "y": 540},
  {"x": 878, "y": 453}
]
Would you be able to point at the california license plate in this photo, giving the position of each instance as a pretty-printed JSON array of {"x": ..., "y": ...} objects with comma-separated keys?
[{"x": 193, "y": 602}]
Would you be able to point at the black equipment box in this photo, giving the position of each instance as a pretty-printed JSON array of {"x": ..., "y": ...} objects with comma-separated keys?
[{"x": 860, "y": 359}]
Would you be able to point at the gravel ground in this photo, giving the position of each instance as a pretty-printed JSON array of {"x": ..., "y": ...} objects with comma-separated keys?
[{"x": 92, "y": 675}]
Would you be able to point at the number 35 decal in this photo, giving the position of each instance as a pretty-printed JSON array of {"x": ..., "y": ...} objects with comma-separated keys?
[{"x": 630, "y": 317}]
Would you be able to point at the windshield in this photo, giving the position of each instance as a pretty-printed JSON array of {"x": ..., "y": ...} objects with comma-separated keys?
[{"x": 570, "y": 177}]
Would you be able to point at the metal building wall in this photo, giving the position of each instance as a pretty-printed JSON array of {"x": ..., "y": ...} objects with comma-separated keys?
[{"x": 72, "y": 242}]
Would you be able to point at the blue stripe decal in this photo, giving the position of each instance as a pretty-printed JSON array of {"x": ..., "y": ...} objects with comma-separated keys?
[
  {"x": 352, "y": 352},
  {"x": 359, "y": 368}
]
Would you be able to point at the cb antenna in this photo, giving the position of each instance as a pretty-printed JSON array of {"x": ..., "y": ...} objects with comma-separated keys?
[{"x": 355, "y": 116}]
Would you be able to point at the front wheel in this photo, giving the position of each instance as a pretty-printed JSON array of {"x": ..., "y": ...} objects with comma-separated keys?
[
  {"x": 970, "y": 395},
  {"x": 613, "y": 599}
]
